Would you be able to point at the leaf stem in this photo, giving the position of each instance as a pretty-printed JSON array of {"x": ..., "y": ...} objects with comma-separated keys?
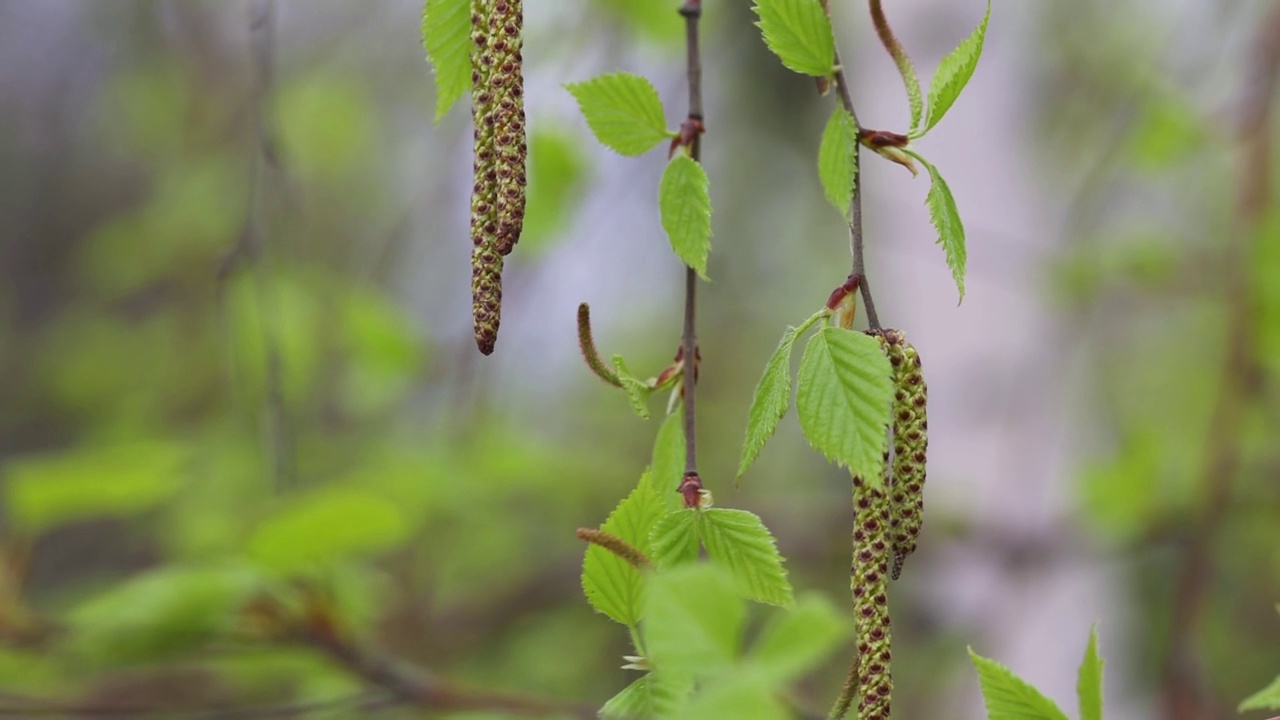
[
  {"x": 901, "y": 59},
  {"x": 691, "y": 10}
]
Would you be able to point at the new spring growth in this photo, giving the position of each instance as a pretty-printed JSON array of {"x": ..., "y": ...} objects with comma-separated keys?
[
  {"x": 499, "y": 178},
  {"x": 844, "y": 302}
]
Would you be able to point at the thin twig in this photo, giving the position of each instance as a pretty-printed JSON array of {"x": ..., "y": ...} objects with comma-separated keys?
[
  {"x": 32, "y": 707},
  {"x": 422, "y": 689},
  {"x": 692, "y": 12},
  {"x": 1186, "y": 693},
  {"x": 250, "y": 249},
  {"x": 855, "y": 217}
]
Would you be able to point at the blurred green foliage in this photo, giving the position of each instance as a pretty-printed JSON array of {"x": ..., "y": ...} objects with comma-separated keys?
[{"x": 430, "y": 503}]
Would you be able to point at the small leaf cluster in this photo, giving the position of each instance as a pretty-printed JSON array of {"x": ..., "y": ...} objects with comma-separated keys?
[
  {"x": 687, "y": 617},
  {"x": 626, "y": 115},
  {"x": 799, "y": 32},
  {"x": 844, "y": 390}
]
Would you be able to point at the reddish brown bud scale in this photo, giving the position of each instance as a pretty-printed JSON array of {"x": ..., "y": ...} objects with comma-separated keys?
[{"x": 883, "y": 139}]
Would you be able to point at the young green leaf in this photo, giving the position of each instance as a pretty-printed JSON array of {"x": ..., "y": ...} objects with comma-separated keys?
[
  {"x": 668, "y": 458},
  {"x": 845, "y": 389},
  {"x": 674, "y": 540},
  {"x": 838, "y": 160},
  {"x": 42, "y": 492},
  {"x": 946, "y": 219},
  {"x": 794, "y": 642},
  {"x": 1268, "y": 698},
  {"x": 693, "y": 620},
  {"x": 159, "y": 613},
  {"x": 799, "y": 33},
  {"x": 637, "y": 390},
  {"x": 1009, "y": 697},
  {"x": 446, "y": 36},
  {"x": 624, "y": 112},
  {"x": 772, "y": 398},
  {"x": 684, "y": 203},
  {"x": 557, "y": 175},
  {"x": 740, "y": 542},
  {"x": 748, "y": 694},
  {"x": 954, "y": 73},
  {"x": 655, "y": 695},
  {"x": 611, "y": 584},
  {"x": 1089, "y": 684},
  {"x": 325, "y": 525}
]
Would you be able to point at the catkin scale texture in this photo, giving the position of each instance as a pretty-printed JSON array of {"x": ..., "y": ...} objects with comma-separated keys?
[
  {"x": 910, "y": 447},
  {"x": 869, "y": 584},
  {"x": 499, "y": 178}
]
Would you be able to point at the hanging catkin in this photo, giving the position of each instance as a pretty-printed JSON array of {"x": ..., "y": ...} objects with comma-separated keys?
[
  {"x": 870, "y": 679},
  {"x": 498, "y": 190},
  {"x": 910, "y": 446}
]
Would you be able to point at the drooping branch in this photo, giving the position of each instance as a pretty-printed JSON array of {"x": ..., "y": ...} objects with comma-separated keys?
[
  {"x": 692, "y": 483},
  {"x": 859, "y": 271},
  {"x": 321, "y": 630}
]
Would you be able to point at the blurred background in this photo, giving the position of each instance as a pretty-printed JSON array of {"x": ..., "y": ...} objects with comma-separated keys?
[{"x": 235, "y": 380}]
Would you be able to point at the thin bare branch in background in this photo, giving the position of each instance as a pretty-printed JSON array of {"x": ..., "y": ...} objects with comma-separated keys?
[
  {"x": 250, "y": 249},
  {"x": 1187, "y": 690}
]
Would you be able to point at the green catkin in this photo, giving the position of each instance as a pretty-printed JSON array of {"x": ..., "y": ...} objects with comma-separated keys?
[
  {"x": 507, "y": 85},
  {"x": 870, "y": 679},
  {"x": 910, "y": 447},
  {"x": 489, "y": 60}
]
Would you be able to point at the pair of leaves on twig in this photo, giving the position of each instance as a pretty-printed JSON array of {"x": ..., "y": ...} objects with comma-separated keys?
[
  {"x": 799, "y": 33},
  {"x": 735, "y": 539},
  {"x": 694, "y": 614},
  {"x": 843, "y": 396},
  {"x": 1009, "y": 697},
  {"x": 626, "y": 115}
]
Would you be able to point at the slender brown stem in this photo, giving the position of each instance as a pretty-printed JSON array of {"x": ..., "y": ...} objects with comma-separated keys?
[
  {"x": 31, "y": 707},
  {"x": 692, "y": 12},
  {"x": 855, "y": 217},
  {"x": 900, "y": 58},
  {"x": 416, "y": 687},
  {"x": 1186, "y": 690}
]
